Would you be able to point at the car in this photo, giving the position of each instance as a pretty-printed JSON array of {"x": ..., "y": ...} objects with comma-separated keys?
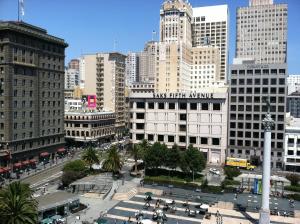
[{"x": 214, "y": 171}]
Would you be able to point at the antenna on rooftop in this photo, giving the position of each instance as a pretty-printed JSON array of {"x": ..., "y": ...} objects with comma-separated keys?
[
  {"x": 21, "y": 10},
  {"x": 153, "y": 34},
  {"x": 115, "y": 45}
]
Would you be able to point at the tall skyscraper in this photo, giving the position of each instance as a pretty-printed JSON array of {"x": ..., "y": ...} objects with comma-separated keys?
[
  {"x": 110, "y": 85},
  {"x": 258, "y": 72},
  {"x": 262, "y": 32},
  {"x": 132, "y": 68},
  {"x": 175, "y": 47},
  {"x": 148, "y": 60},
  {"x": 32, "y": 96},
  {"x": 211, "y": 27}
]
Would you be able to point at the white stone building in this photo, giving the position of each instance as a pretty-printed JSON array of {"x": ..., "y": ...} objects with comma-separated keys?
[{"x": 183, "y": 118}]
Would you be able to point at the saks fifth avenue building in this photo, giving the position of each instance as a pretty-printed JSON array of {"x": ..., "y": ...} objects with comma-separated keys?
[{"x": 182, "y": 118}]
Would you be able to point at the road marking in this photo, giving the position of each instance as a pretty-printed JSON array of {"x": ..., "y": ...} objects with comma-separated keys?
[
  {"x": 120, "y": 217},
  {"x": 47, "y": 179},
  {"x": 168, "y": 215},
  {"x": 151, "y": 205}
]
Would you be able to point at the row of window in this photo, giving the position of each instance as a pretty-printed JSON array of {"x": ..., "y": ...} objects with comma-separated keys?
[
  {"x": 30, "y": 145},
  {"x": 258, "y": 81},
  {"x": 258, "y": 152},
  {"x": 258, "y": 90},
  {"x": 249, "y": 134},
  {"x": 180, "y": 106},
  {"x": 256, "y": 108},
  {"x": 258, "y": 71},
  {"x": 249, "y": 117},
  {"x": 253, "y": 99},
  {"x": 247, "y": 143}
]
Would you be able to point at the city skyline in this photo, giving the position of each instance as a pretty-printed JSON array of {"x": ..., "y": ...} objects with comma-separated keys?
[{"x": 122, "y": 25}]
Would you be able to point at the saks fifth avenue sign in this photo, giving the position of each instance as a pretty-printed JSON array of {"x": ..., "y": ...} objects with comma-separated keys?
[{"x": 184, "y": 95}]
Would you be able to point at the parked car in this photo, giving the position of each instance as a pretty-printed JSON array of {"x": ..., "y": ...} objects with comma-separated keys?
[{"x": 214, "y": 171}]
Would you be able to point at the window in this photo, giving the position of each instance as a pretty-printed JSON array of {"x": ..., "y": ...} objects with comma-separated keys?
[
  {"x": 182, "y": 139},
  {"x": 151, "y": 105},
  {"x": 182, "y": 117},
  {"x": 140, "y": 126},
  {"x": 182, "y": 127},
  {"x": 161, "y": 106},
  {"x": 170, "y": 138},
  {"x": 216, "y": 106},
  {"x": 140, "y": 105},
  {"x": 150, "y": 137},
  {"x": 140, "y": 115},
  {"x": 182, "y": 106},
  {"x": 215, "y": 141},
  {"x": 204, "y": 141},
  {"x": 192, "y": 140},
  {"x": 193, "y": 106},
  {"x": 204, "y": 106},
  {"x": 160, "y": 138},
  {"x": 139, "y": 136},
  {"x": 171, "y": 106}
]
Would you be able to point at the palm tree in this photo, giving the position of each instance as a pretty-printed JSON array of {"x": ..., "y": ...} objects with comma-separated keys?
[
  {"x": 113, "y": 161},
  {"x": 90, "y": 156},
  {"x": 17, "y": 206},
  {"x": 136, "y": 152}
]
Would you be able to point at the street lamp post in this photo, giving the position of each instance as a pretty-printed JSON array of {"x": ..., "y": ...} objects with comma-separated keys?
[{"x": 264, "y": 214}]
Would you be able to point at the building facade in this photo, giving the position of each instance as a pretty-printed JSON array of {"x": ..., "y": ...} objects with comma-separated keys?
[
  {"x": 293, "y": 104},
  {"x": 293, "y": 82},
  {"x": 72, "y": 78},
  {"x": 211, "y": 27},
  {"x": 89, "y": 126},
  {"x": 110, "y": 86},
  {"x": 262, "y": 32},
  {"x": 182, "y": 118},
  {"x": 32, "y": 96},
  {"x": 73, "y": 104},
  {"x": 132, "y": 68},
  {"x": 74, "y": 64},
  {"x": 292, "y": 145},
  {"x": 87, "y": 69},
  {"x": 250, "y": 85},
  {"x": 148, "y": 58},
  {"x": 205, "y": 69}
]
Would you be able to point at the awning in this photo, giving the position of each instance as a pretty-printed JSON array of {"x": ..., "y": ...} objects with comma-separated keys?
[
  {"x": 26, "y": 162},
  {"x": 32, "y": 161},
  {"x": 43, "y": 154},
  {"x": 2, "y": 170},
  {"x": 6, "y": 169},
  {"x": 61, "y": 150},
  {"x": 17, "y": 165}
]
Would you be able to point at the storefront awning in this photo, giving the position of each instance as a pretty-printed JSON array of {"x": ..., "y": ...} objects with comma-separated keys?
[
  {"x": 43, "y": 154},
  {"x": 18, "y": 165},
  {"x": 61, "y": 150},
  {"x": 32, "y": 161},
  {"x": 26, "y": 162}
]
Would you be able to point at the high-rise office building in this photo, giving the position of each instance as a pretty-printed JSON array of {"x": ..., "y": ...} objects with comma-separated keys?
[
  {"x": 262, "y": 32},
  {"x": 32, "y": 96},
  {"x": 148, "y": 59},
  {"x": 72, "y": 78},
  {"x": 110, "y": 86},
  {"x": 132, "y": 68},
  {"x": 205, "y": 70},
  {"x": 258, "y": 72},
  {"x": 74, "y": 64},
  {"x": 211, "y": 27},
  {"x": 174, "y": 47},
  {"x": 250, "y": 85},
  {"x": 293, "y": 83}
]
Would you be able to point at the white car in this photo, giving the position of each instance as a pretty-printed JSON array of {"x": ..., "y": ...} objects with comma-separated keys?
[{"x": 214, "y": 171}]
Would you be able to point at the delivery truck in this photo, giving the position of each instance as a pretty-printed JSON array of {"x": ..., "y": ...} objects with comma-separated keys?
[{"x": 240, "y": 163}]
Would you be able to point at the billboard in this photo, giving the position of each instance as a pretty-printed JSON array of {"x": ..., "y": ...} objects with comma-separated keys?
[{"x": 92, "y": 101}]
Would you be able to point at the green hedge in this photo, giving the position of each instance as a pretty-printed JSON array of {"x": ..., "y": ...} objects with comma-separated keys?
[
  {"x": 166, "y": 180},
  {"x": 227, "y": 182},
  {"x": 292, "y": 188},
  {"x": 294, "y": 196},
  {"x": 188, "y": 177},
  {"x": 212, "y": 189}
]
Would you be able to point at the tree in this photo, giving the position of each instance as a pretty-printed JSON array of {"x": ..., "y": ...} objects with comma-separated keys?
[
  {"x": 155, "y": 155},
  {"x": 192, "y": 160},
  {"x": 173, "y": 157},
  {"x": 231, "y": 172},
  {"x": 17, "y": 206},
  {"x": 136, "y": 152},
  {"x": 294, "y": 178},
  {"x": 90, "y": 156},
  {"x": 113, "y": 162},
  {"x": 144, "y": 145},
  {"x": 76, "y": 165}
]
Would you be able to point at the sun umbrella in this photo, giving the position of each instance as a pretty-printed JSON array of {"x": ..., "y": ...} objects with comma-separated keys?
[
  {"x": 101, "y": 221},
  {"x": 204, "y": 206},
  {"x": 149, "y": 193},
  {"x": 47, "y": 221}
]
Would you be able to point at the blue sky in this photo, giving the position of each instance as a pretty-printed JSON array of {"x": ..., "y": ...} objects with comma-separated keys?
[{"x": 90, "y": 26}]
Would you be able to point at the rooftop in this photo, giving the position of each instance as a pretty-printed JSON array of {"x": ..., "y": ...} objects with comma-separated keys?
[{"x": 87, "y": 112}]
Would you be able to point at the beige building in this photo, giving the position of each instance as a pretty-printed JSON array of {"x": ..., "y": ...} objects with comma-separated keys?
[
  {"x": 148, "y": 59},
  {"x": 198, "y": 118},
  {"x": 89, "y": 126},
  {"x": 88, "y": 73},
  {"x": 205, "y": 69},
  {"x": 110, "y": 81}
]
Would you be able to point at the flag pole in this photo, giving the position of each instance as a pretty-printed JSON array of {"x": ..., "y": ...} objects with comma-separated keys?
[{"x": 18, "y": 10}]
